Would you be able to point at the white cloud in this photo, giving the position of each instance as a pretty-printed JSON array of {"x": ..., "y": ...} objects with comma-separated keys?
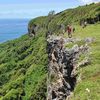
[{"x": 89, "y": 1}]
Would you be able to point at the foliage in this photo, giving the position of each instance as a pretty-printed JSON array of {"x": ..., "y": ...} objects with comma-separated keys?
[{"x": 23, "y": 65}]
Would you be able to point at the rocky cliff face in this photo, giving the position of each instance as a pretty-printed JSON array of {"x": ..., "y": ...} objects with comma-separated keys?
[
  {"x": 63, "y": 66},
  {"x": 32, "y": 30}
]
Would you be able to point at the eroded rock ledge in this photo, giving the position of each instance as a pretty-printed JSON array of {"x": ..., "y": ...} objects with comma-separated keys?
[{"x": 63, "y": 66}]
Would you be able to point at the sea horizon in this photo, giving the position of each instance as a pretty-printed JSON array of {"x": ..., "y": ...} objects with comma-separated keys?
[{"x": 12, "y": 28}]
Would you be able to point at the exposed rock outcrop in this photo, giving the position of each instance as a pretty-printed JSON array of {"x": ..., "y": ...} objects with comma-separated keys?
[
  {"x": 32, "y": 29},
  {"x": 63, "y": 66}
]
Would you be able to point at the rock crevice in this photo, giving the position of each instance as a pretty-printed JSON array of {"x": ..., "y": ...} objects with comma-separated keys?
[{"x": 62, "y": 67}]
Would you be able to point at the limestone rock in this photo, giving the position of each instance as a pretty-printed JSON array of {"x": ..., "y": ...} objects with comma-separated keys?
[{"x": 62, "y": 67}]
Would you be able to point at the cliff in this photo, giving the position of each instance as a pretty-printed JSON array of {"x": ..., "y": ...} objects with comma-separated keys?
[
  {"x": 64, "y": 65},
  {"x": 24, "y": 61}
]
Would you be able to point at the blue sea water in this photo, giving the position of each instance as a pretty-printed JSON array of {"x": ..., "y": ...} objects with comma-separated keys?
[{"x": 12, "y": 28}]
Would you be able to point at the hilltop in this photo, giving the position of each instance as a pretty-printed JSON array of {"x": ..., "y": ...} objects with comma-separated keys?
[
  {"x": 23, "y": 61},
  {"x": 70, "y": 16}
]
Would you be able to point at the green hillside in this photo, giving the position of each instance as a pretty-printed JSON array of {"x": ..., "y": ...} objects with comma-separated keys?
[
  {"x": 90, "y": 75},
  {"x": 23, "y": 61},
  {"x": 23, "y": 68},
  {"x": 69, "y": 16}
]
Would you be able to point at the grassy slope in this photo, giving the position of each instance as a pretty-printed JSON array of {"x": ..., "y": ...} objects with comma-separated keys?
[
  {"x": 75, "y": 15},
  {"x": 91, "y": 73},
  {"x": 68, "y": 16},
  {"x": 23, "y": 68}
]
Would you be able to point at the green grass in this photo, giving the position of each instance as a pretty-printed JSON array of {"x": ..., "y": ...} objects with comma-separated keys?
[
  {"x": 69, "y": 16},
  {"x": 23, "y": 69},
  {"x": 73, "y": 16},
  {"x": 91, "y": 73}
]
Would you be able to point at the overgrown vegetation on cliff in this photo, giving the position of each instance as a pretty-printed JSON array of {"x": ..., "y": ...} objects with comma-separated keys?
[
  {"x": 23, "y": 61},
  {"x": 23, "y": 68}
]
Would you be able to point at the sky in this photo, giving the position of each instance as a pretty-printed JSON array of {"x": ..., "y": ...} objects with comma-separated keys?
[{"x": 35, "y": 8}]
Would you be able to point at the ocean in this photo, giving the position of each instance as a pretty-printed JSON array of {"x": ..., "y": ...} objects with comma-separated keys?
[{"x": 12, "y": 28}]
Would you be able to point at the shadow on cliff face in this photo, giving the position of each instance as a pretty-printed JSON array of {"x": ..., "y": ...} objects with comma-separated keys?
[{"x": 91, "y": 20}]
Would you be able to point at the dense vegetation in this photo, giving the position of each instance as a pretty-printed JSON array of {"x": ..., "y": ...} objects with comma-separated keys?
[
  {"x": 70, "y": 16},
  {"x": 23, "y": 61},
  {"x": 23, "y": 68}
]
